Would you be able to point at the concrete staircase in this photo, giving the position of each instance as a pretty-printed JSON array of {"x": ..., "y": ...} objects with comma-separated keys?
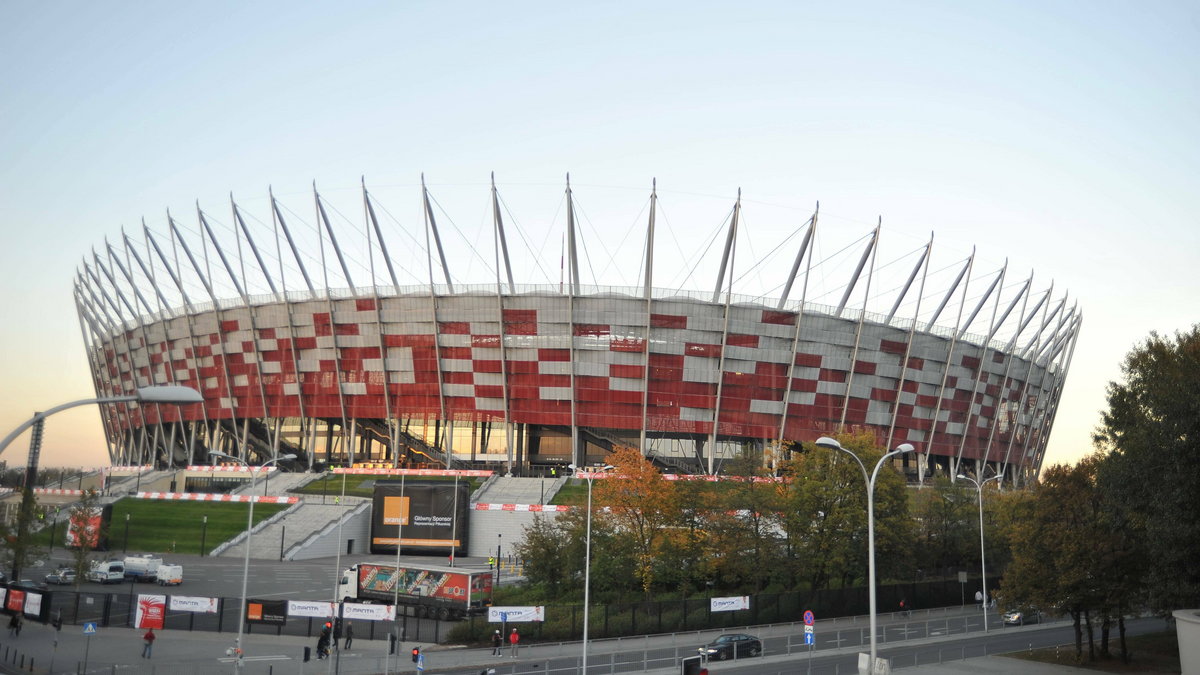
[{"x": 515, "y": 490}]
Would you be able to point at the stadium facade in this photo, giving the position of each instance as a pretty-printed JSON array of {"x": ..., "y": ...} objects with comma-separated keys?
[{"x": 515, "y": 376}]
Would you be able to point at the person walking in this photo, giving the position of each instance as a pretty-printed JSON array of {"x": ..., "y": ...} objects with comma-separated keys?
[
  {"x": 14, "y": 625},
  {"x": 514, "y": 639},
  {"x": 323, "y": 642},
  {"x": 497, "y": 643},
  {"x": 349, "y": 634},
  {"x": 148, "y": 643},
  {"x": 979, "y": 599}
]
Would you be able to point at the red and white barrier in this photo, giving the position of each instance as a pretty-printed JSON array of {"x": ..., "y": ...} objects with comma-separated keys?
[
  {"x": 233, "y": 467},
  {"x": 210, "y": 497},
  {"x": 56, "y": 491},
  {"x": 546, "y": 508},
  {"x": 462, "y": 473}
]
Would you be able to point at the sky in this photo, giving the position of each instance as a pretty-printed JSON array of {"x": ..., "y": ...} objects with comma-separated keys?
[{"x": 1061, "y": 137}]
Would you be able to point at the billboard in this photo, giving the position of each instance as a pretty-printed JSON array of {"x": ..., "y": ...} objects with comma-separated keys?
[
  {"x": 90, "y": 525},
  {"x": 462, "y": 587},
  {"x": 430, "y": 516}
]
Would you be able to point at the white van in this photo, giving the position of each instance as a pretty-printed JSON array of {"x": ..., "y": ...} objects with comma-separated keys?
[
  {"x": 107, "y": 572},
  {"x": 170, "y": 575}
]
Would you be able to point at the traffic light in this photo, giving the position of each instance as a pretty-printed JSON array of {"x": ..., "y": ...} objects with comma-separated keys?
[{"x": 416, "y": 654}]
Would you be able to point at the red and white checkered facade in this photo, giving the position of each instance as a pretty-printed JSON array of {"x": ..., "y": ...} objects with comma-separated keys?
[{"x": 540, "y": 352}]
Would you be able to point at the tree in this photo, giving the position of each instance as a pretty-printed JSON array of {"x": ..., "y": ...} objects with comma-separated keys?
[
  {"x": 642, "y": 504},
  {"x": 19, "y": 545},
  {"x": 1152, "y": 430},
  {"x": 745, "y": 523},
  {"x": 543, "y": 548},
  {"x": 825, "y": 513},
  {"x": 85, "y": 531}
]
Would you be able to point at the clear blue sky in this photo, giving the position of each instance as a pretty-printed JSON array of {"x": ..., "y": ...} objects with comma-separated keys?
[{"x": 1063, "y": 136}]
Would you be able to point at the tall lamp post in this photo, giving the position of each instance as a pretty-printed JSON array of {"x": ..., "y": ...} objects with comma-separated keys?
[
  {"x": 982, "y": 561},
  {"x": 587, "y": 561},
  {"x": 833, "y": 444},
  {"x": 238, "y": 654},
  {"x": 160, "y": 394},
  {"x": 163, "y": 394}
]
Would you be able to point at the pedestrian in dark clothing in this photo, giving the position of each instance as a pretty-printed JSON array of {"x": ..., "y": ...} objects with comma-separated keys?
[
  {"x": 349, "y": 635},
  {"x": 497, "y": 643},
  {"x": 148, "y": 646},
  {"x": 14, "y": 626},
  {"x": 323, "y": 642}
]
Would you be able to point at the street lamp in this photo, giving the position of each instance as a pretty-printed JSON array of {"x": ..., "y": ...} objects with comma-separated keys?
[
  {"x": 238, "y": 654},
  {"x": 982, "y": 562},
  {"x": 587, "y": 560},
  {"x": 833, "y": 444},
  {"x": 162, "y": 394}
]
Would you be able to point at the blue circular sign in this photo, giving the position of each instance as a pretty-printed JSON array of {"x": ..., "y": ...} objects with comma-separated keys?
[{"x": 808, "y": 617}]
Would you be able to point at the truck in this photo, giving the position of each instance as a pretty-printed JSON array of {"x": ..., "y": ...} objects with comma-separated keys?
[
  {"x": 447, "y": 593},
  {"x": 142, "y": 567},
  {"x": 170, "y": 575},
  {"x": 107, "y": 572}
]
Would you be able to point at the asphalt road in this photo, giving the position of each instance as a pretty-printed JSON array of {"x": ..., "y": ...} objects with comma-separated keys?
[{"x": 932, "y": 638}]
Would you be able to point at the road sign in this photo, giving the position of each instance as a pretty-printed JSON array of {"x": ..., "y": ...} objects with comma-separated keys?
[
  {"x": 89, "y": 628},
  {"x": 808, "y": 617},
  {"x": 808, "y": 638},
  {"x": 421, "y": 662}
]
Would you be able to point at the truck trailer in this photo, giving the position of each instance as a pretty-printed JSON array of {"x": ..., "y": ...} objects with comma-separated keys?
[{"x": 447, "y": 593}]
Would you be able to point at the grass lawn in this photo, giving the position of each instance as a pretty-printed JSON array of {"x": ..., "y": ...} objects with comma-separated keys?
[
  {"x": 1152, "y": 653},
  {"x": 331, "y": 485},
  {"x": 165, "y": 526}
]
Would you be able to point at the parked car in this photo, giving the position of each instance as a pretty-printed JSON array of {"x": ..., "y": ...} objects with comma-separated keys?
[
  {"x": 1022, "y": 616},
  {"x": 732, "y": 645},
  {"x": 29, "y": 585},
  {"x": 63, "y": 576}
]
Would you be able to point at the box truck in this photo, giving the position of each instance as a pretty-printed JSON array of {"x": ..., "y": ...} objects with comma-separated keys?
[
  {"x": 142, "y": 567},
  {"x": 437, "y": 592}
]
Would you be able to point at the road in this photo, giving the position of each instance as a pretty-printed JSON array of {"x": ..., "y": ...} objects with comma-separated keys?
[{"x": 943, "y": 635}]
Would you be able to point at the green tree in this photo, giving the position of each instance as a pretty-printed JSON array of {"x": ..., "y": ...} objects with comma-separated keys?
[
  {"x": 83, "y": 517},
  {"x": 1152, "y": 431},
  {"x": 543, "y": 548},
  {"x": 19, "y": 545}
]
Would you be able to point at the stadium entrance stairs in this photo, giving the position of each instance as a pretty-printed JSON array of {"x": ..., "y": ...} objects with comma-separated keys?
[
  {"x": 307, "y": 529},
  {"x": 515, "y": 490}
]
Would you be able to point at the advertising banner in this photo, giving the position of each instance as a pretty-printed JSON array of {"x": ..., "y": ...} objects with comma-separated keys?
[
  {"x": 15, "y": 601},
  {"x": 431, "y": 516},
  {"x": 320, "y": 610},
  {"x": 383, "y": 582},
  {"x": 33, "y": 604},
  {"x": 270, "y": 612},
  {"x": 89, "y": 528},
  {"x": 729, "y": 604},
  {"x": 353, "y": 611},
  {"x": 151, "y": 611},
  {"x": 508, "y": 614},
  {"x": 190, "y": 603}
]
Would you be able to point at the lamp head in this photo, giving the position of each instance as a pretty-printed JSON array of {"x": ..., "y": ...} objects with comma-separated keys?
[
  {"x": 827, "y": 442},
  {"x": 905, "y": 447},
  {"x": 169, "y": 393}
]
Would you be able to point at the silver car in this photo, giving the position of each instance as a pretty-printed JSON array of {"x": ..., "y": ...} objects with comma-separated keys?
[
  {"x": 63, "y": 576},
  {"x": 1022, "y": 616}
]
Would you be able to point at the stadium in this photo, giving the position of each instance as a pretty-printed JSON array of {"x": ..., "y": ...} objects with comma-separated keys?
[{"x": 352, "y": 340}]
